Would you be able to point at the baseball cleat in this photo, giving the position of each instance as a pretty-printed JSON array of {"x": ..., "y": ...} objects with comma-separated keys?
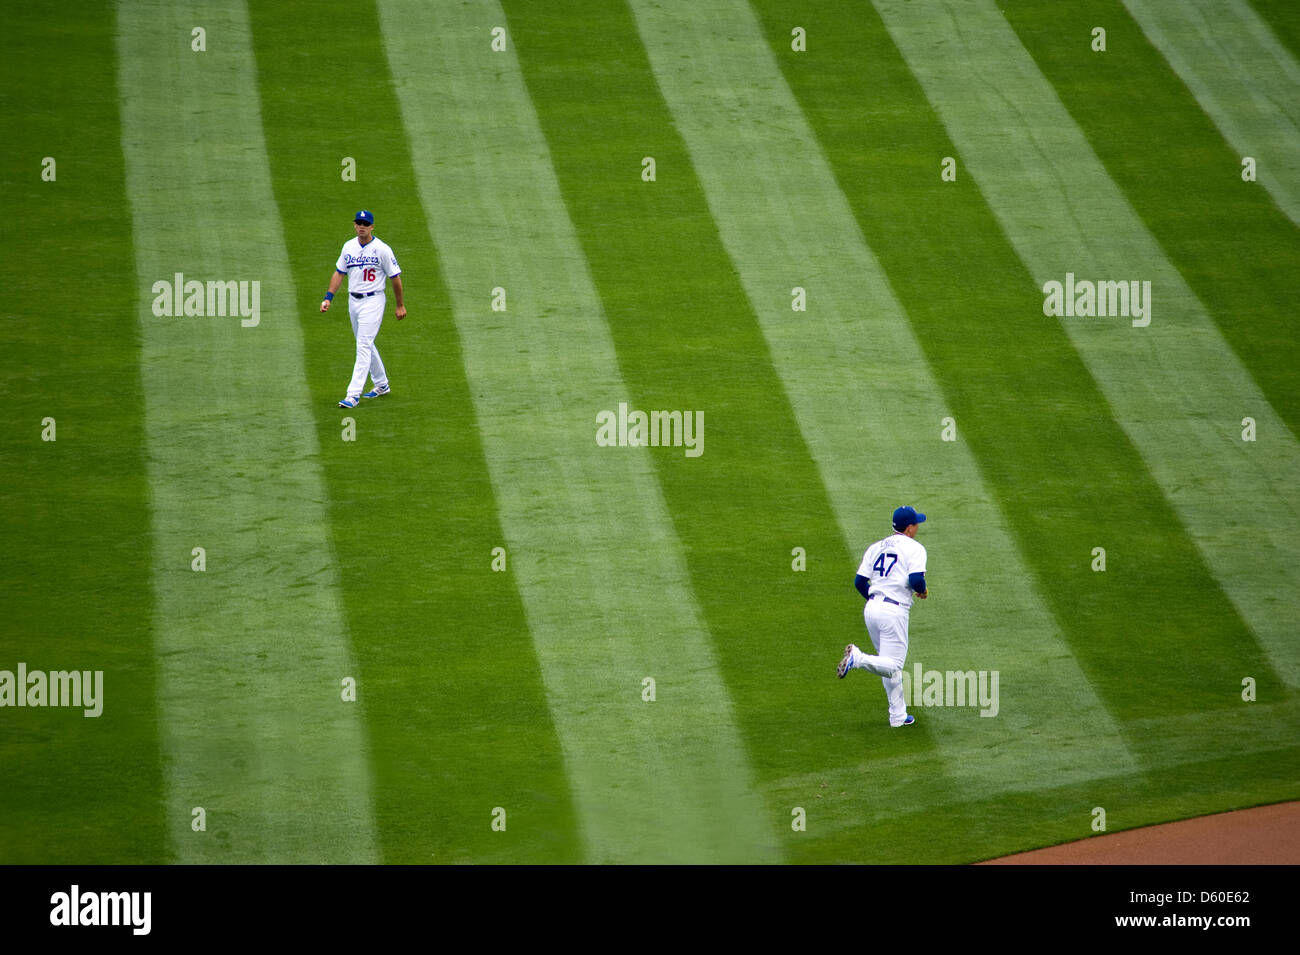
[
  {"x": 377, "y": 393},
  {"x": 349, "y": 402},
  {"x": 907, "y": 722},
  {"x": 846, "y": 663}
]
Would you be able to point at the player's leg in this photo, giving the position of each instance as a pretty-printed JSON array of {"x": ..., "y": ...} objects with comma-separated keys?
[
  {"x": 879, "y": 625},
  {"x": 887, "y": 628},
  {"x": 893, "y": 647},
  {"x": 371, "y": 319},
  {"x": 354, "y": 309},
  {"x": 897, "y": 701},
  {"x": 377, "y": 373},
  {"x": 366, "y": 329}
]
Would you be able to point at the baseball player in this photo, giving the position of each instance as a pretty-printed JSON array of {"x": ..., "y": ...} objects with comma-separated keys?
[
  {"x": 368, "y": 263},
  {"x": 892, "y": 572}
]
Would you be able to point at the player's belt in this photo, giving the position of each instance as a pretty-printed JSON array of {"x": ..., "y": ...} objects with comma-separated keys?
[
  {"x": 362, "y": 294},
  {"x": 887, "y": 600}
]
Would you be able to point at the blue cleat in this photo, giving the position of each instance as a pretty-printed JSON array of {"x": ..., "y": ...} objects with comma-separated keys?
[
  {"x": 846, "y": 663},
  {"x": 349, "y": 402},
  {"x": 907, "y": 722},
  {"x": 377, "y": 393}
]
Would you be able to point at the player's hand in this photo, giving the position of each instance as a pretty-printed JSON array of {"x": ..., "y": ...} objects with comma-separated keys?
[
  {"x": 325, "y": 305},
  {"x": 401, "y": 312},
  {"x": 924, "y": 595}
]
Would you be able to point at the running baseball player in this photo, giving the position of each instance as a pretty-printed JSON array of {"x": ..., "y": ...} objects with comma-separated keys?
[
  {"x": 368, "y": 263},
  {"x": 892, "y": 572}
]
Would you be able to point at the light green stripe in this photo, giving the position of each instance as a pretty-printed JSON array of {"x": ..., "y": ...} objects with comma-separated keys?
[
  {"x": 1244, "y": 78},
  {"x": 1176, "y": 388},
  {"x": 252, "y": 652},
  {"x": 600, "y": 569},
  {"x": 865, "y": 399}
]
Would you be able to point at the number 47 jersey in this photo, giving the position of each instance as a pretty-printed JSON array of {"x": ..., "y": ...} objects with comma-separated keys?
[
  {"x": 887, "y": 564},
  {"x": 367, "y": 266}
]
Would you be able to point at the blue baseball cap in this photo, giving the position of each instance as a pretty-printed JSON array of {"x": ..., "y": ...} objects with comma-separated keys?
[
  {"x": 365, "y": 217},
  {"x": 904, "y": 516}
]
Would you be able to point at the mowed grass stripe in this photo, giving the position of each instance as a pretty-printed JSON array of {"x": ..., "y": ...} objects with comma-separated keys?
[
  {"x": 452, "y": 734},
  {"x": 252, "y": 651},
  {"x": 1244, "y": 79},
  {"x": 74, "y": 512},
  {"x": 601, "y": 572},
  {"x": 1174, "y": 386},
  {"x": 687, "y": 338},
  {"x": 1237, "y": 251},
  {"x": 868, "y": 404}
]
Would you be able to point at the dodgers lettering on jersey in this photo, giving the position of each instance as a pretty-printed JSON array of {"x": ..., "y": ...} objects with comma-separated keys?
[
  {"x": 887, "y": 564},
  {"x": 367, "y": 266}
]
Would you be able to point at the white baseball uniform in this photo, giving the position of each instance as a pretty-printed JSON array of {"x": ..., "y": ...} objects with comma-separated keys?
[
  {"x": 368, "y": 268},
  {"x": 888, "y": 564}
]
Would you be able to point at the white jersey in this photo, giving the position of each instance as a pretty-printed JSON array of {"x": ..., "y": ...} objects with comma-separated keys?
[
  {"x": 887, "y": 564},
  {"x": 367, "y": 266}
]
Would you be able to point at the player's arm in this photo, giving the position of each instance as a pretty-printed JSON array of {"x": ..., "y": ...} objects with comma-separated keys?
[
  {"x": 863, "y": 585},
  {"x": 335, "y": 281},
  {"x": 917, "y": 582},
  {"x": 397, "y": 296}
]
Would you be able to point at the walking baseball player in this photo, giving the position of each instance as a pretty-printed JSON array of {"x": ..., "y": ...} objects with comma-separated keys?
[
  {"x": 368, "y": 263},
  {"x": 892, "y": 572}
]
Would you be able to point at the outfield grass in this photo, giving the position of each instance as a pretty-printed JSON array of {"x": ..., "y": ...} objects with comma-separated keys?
[
  {"x": 455, "y": 704},
  {"x": 519, "y": 695},
  {"x": 1214, "y": 241},
  {"x": 1247, "y": 82},
  {"x": 252, "y": 647},
  {"x": 1175, "y": 388},
  {"x": 602, "y": 572},
  {"x": 1282, "y": 21},
  {"x": 76, "y": 562}
]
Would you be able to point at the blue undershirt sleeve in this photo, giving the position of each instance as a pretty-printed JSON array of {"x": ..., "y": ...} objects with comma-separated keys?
[
  {"x": 917, "y": 581},
  {"x": 863, "y": 585}
]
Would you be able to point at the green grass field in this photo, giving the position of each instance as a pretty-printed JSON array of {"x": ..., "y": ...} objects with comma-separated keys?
[{"x": 452, "y": 626}]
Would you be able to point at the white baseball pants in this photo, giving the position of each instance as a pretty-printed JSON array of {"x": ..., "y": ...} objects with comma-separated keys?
[
  {"x": 887, "y": 627},
  {"x": 367, "y": 314}
]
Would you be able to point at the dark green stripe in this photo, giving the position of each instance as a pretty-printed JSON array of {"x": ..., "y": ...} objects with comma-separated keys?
[
  {"x": 687, "y": 338},
  {"x": 1234, "y": 247},
  {"x": 1283, "y": 18},
  {"x": 450, "y": 682},
  {"x": 75, "y": 566},
  {"x": 1068, "y": 478}
]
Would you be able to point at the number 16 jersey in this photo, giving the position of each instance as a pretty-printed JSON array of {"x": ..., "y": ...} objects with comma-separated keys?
[{"x": 367, "y": 266}]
